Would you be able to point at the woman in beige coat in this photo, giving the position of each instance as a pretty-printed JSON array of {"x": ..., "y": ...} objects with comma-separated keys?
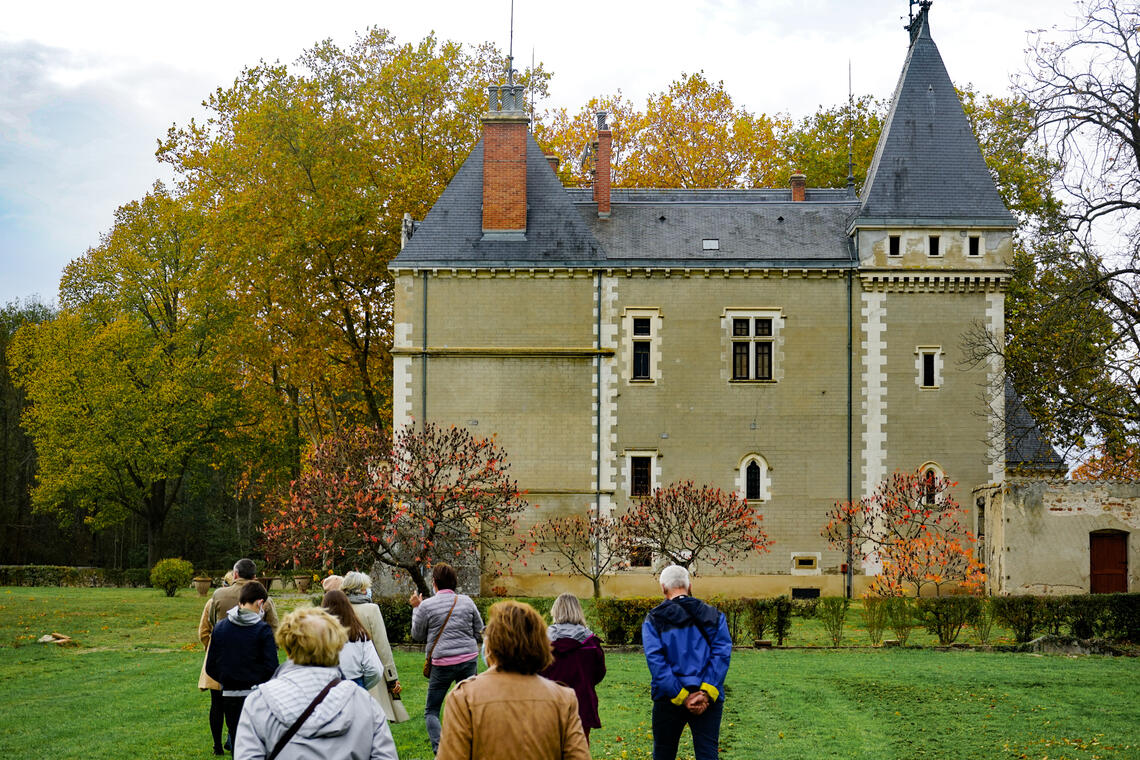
[
  {"x": 508, "y": 710},
  {"x": 358, "y": 587}
]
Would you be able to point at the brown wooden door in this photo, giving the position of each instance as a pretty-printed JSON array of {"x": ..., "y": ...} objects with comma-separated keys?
[{"x": 1108, "y": 557}]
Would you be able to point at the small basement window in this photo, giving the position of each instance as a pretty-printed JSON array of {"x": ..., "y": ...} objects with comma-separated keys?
[
  {"x": 805, "y": 593},
  {"x": 710, "y": 244}
]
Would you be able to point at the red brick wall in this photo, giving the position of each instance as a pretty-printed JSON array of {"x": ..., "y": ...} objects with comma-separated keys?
[{"x": 504, "y": 175}]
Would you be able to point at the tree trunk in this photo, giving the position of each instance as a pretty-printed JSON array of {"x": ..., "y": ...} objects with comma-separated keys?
[
  {"x": 597, "y": 581},
  {"x": 155, "y": 518}
]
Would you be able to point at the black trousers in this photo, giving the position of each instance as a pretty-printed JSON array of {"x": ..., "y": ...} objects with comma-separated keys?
[{"x": 232, "y": 708}]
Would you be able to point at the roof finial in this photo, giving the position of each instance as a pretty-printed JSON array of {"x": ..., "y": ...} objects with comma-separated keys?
[{"x": 917, "y": 20}]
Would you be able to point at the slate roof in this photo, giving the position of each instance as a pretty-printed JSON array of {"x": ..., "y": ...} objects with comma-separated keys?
[
  {"x": 1025, "y": 446},
  {"x": 451, "y": 233},
  {"x": 927, "y": 165},
  {"x": 647, "y": 227},
  {"x": 752, "y": 227}
]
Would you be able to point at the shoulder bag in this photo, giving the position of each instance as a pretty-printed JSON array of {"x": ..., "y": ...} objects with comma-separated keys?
[{"x": 427, "y": 659}]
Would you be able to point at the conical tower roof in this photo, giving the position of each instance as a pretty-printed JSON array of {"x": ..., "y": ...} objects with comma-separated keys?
[{"x": 928, "y": 169}]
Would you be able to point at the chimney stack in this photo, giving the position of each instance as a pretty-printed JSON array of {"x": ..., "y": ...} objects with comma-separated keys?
[
  {"x": 602, "y": 168},
  {"x": 799, "y": 183},
  {"x": 504, "y": 164},
  {"x": 554, "y": 161}
]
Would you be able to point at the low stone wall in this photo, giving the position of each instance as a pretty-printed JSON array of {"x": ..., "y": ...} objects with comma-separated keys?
[{"x": 1036, "y": 537}]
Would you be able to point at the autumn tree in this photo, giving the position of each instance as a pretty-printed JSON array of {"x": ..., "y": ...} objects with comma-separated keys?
[
  {"x": 588, "y": 546},
  {"x": 304, "y": 174},
  {"x": 818, "y": 144},
  {"x": 128, "y": 391},
  {"x": 691, "y": 135},
  {"x": 434, "y": 494},
  {"x": 1082, "y": 89},
  {"x": 566, "y": 135},
  {"x": 1104, "y": 464},
  {"x": 693, "y": 526},
  {"x": 911, "y": 526}
]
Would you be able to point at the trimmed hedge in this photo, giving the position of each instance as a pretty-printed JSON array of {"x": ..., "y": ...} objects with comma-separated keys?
[
  {"x": 773, "y": 615},
  {"x": 1110, "y": 616},
  {"x": 946, "y": 616},
  {"x": 62, "y": 575},
  {"x": 620, "y": 619},
  {"x": 171, "y": 574}
]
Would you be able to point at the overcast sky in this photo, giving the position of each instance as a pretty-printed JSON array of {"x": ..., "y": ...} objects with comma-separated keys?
[{"x": 87, "y": 88}]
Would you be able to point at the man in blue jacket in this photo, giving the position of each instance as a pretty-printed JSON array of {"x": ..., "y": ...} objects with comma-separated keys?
[
  {"x": 242, "y": 652},
  {"x": 688, "y": 648}
]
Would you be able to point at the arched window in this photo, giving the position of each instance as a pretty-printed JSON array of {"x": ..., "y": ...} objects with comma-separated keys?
[
  {"x": 929, "y": 476},
  {"x": 753, "y": 481}
]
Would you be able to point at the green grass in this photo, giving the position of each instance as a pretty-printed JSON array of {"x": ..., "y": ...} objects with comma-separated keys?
[{"x": 129, "y": 690}]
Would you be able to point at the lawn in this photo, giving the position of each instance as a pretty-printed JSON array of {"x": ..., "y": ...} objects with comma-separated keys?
[{"x": 128, "y": 689}]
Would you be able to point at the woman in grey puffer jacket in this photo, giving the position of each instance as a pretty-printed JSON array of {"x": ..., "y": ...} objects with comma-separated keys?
[
  {"x": 347, "y": 724},
  {"x": 455, "y": 650}
]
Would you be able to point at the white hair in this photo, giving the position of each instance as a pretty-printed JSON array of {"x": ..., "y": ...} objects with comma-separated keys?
[
  {"x": 675, "y": 576},
  {"x": 356, "y": 582}
]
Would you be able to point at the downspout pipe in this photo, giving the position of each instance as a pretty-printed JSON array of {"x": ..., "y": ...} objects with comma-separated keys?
[
  {"x": 598, "y": 415},
  {"x": 424, "y": 355},
  {"x": 854, "y": 248}
]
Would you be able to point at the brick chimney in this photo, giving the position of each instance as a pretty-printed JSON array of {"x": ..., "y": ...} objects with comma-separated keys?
[
  {"x": 799, "y": 183},
  {"x": 504, "y": 164},
  {"x": 602, "y": 167},
  {"x": 554, "y": 161}
]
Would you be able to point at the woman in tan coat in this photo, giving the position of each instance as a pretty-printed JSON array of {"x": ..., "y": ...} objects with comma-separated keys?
[
  {"x": 509, "y": 711},
  {"x": 358, "y": 587}
]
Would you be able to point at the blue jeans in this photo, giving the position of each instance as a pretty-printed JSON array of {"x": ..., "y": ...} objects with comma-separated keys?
[
  {"x": 442, "y": 676},
  {"x": 669, "y": 721}
]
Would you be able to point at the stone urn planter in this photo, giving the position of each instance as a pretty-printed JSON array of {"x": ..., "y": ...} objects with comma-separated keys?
[
  {"x": 202, "y": 585},
  {"x": 302, "y": 582}
]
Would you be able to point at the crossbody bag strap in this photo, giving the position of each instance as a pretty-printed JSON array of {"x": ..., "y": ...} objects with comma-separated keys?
[
  {"x": 440, "y": 631},
  {"x": 297, "y": 723}
]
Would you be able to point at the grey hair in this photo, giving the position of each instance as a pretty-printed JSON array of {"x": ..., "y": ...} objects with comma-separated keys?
[
  {"x": 356, "y": 582},
  {"x": 567, "y": 609},
  {"x": 675, "y": 576}
]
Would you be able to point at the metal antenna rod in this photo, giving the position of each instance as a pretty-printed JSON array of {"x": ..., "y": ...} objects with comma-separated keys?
[
  {"x": 511, "y": 48},
  {"x": 850, "y": 129}
]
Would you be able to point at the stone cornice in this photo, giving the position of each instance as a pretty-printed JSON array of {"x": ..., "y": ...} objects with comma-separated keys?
[{"x": 934, "y": 282}]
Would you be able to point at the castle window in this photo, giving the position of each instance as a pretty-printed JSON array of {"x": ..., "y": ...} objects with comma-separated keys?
[
  {"x": 753, "y": 480},
  {"x": 933, "y": 245},
  {"x": 641, "y": 556},
  {"x": 753, "y": 338},
  {"x": 894, "y": 245},
  {"x": 975, "y": 246},
  {"x": 642, "y": 347},
  {"x": 928, "y": 366},
  {"x": 641, "y": 475}
]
